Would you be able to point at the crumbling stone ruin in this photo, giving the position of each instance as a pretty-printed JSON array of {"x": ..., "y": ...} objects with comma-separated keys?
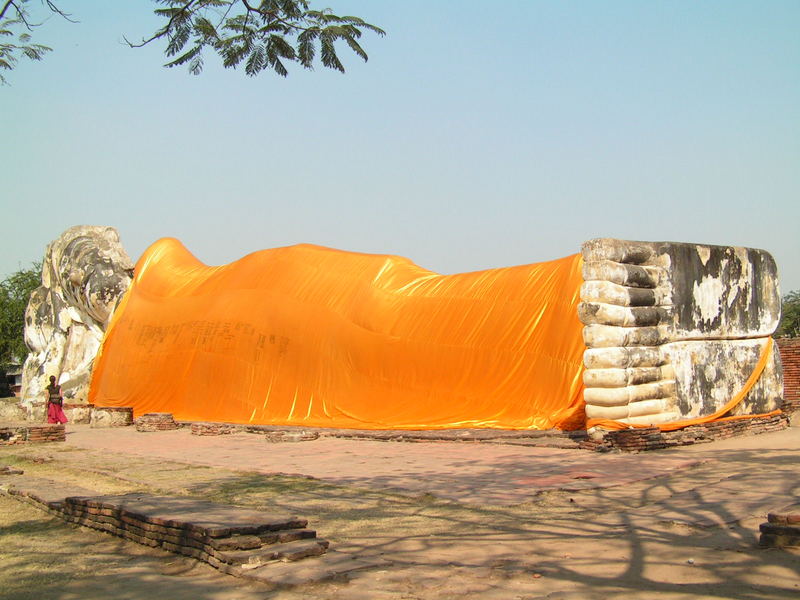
[
  {"x": 84, "y": 275},
  {"x": 111, "y": 416}
]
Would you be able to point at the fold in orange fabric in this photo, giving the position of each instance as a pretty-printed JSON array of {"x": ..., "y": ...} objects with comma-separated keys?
[{"x": 311, "y": 336}]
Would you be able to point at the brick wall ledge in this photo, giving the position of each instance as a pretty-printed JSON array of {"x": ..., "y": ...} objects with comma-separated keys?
[
  {"x": 26, "y": 433},
  {"x": 238, "y": 541}
]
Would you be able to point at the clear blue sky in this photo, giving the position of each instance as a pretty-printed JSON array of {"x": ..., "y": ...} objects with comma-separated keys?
[{"x": 478, "y": 135}]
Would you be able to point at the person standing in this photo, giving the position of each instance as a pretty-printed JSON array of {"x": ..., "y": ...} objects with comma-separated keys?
[{"x": 55, "y": 402}]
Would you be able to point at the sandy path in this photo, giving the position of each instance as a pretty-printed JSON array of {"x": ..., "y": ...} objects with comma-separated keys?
[
  {"x": 677, "y": 524},
  {"x": 494, "y": 474}
]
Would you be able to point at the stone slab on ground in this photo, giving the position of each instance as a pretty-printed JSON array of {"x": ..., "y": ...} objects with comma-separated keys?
[
  {"x": 238, "y": 541},
  {"x": 787, "y": 515},
  {"x": 43, "y": 491},
  {"x": 212, "y": 519},
  {"x": 330, "y": 566},
  {"x": 258, "y": 557}
]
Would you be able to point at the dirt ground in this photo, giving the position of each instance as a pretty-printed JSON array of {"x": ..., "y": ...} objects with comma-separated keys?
[{"x": 540, "y": 523}]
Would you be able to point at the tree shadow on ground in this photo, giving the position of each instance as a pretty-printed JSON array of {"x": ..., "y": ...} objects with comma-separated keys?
[
  {"x": 691, "y": 533},
  {"x": 672, "y": 535}
]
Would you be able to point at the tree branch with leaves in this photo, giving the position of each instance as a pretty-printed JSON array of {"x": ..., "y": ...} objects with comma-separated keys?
[
  {"x": 261, "y": 35},
  {"x": 13, "y": 46}
]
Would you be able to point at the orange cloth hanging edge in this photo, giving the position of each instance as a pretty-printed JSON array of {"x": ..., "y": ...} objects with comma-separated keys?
[
  {"x": 568, "y": 415},
  {"x": 764, "y": 356}
]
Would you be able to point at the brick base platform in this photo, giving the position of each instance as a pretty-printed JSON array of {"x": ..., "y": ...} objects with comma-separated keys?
[
  {"x": 651, "y": 438},
  {"x": 627, "y": 440},
  {"x": 226, "y": 537},
  {"x": 155, "y": 422},
  {"x": 237, "y": 541},
  {"x": 782, "y": 529},
  {"x": 549, "y": 438},
  {"x": 212, "y": 428},
  {"x": 31, "y": 434},
  {"x": 291, "y": 436}
]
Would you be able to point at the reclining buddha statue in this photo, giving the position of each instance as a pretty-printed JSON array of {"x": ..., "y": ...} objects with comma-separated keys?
[{"x": 621, "y": 334}]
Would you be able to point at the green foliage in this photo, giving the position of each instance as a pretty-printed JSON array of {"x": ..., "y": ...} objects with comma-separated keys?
[
  {"x": 259, "y": 34},
  {"x": 790, "y": 318},
  {"x": 14, "y": 16},
  {"x": 15, "y": 291}
]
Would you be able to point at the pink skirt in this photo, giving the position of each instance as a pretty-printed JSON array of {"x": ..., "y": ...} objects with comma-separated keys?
[{"x": 55, "y": 414}]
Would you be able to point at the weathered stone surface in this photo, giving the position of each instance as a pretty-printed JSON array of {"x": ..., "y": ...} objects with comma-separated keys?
[
  {"x": 289, "y": 551},
  {"x": 78, "y": 413},
  {"x": 117, "y": 416},
  {"x": 12, "y": 411},
  {"x": 44, "y": 491},
  {"x": 705, "y": 382},
  {"x": 236, "y": 542},
  {"x": 674, "y": 330},
  {"x": 712, "y": 292},
  {"x": 85, "y": 272}
]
